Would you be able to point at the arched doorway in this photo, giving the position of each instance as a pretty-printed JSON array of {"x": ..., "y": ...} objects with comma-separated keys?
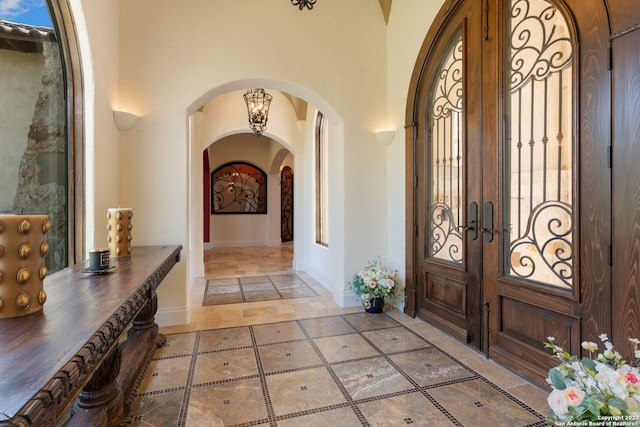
[
  {"x": 286, "y": 204},
  {"x": 501, "y": 205},
  {"x": 217, "y": 116}
]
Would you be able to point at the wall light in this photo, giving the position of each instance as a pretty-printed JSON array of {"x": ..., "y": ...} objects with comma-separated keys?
[
  {"x": 385, "y": 136},
  {"x": 124, "y": 120}
]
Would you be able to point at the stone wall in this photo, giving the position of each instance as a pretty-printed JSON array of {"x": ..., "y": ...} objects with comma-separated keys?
[{"x": 43, "y": 173}]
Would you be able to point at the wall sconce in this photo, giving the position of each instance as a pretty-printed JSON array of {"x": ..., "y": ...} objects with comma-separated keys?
[
  {"x": 385, "y": 136},
  {"x": 124, "y": 120}
]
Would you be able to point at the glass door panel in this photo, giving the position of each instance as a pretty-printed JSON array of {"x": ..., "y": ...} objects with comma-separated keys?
[
  {"x": 539, "y": 145},
  {"x": 446, "y": 162}
]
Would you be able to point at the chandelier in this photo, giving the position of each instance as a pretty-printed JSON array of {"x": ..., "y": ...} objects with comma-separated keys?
[
  {"x": 304, "y": 3},
  {"x": 258, "y": 102}
]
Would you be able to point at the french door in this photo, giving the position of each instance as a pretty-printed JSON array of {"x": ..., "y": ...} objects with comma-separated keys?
[
  {"x": 495, "y": 206},
  {"x": 449, "y": 180}
]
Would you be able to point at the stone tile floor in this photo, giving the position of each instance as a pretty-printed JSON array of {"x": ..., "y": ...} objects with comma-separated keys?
[
  {"x": 307, "y": 362},
  {"x": 233, "y": 290}
]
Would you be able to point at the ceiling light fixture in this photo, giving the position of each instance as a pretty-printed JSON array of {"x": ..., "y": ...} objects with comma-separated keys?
[
  {"x": 258, "y": 102},
  {"x": 303, "y": 3}
]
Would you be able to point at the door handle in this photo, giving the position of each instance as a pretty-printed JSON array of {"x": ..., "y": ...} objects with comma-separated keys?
[
  {"x": 487, "y": 222},
  {"x": 472, "y": 228},
  {"x": 473, "y": 221}
]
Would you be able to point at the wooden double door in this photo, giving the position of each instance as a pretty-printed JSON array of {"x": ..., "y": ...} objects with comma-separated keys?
[{"x": 509, "y": 207}]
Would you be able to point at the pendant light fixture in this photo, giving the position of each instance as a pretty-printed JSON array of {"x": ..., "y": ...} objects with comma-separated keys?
[
  {"x": 258, "y": 102},
  {"x": 304, "y": 3}
]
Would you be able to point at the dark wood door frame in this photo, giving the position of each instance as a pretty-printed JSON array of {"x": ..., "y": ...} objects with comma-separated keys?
[
  {"x": 449, "y": 272},
  {"x": 418, "y": 79}
]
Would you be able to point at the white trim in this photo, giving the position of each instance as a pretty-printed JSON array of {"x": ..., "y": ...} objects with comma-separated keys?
[
  {"x": 173, "y": 316},
  {"x": 348, "y": 299}
]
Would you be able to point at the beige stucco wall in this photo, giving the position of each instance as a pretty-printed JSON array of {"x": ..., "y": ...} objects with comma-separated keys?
[
  {"x": 340, "y": 57},
  {"x": 165, "y": 69},
  {"x": 409, "y": 23},
  {"x": 20, "y": 81},
  {"x": 97, "y": 27}
]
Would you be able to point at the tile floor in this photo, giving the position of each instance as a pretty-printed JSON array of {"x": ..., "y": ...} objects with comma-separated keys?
[
  {"x": 307, "y": 362},
  {"x": 233, "y": 290}
]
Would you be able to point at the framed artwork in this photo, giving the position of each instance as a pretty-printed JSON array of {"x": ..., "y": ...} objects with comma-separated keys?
[{"x": 238, "y": 188}]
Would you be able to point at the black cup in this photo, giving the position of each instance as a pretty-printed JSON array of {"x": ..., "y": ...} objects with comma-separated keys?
[{"x": 98, "y": 259}]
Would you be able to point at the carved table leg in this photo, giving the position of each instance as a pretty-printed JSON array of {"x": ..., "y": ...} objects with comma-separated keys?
[
  {"x": 145, "y": 319},
  {"x": 101, "y": 388}
]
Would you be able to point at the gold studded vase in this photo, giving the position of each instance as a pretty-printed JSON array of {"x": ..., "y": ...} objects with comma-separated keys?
[
  {"x": 119, "y": 226},
  {"x": 22, "y": 269}
]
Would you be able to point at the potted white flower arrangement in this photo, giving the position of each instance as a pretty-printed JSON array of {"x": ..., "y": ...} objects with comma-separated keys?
[
  {"x": 375, "y": 283},
  {"x": 602, "y": 389}
]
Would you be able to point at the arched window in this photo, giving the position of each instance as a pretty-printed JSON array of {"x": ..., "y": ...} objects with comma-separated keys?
[
  {"x": 539, "y": 144},
  {"x": 322, "y": 180},
  {"x": 446, "y": 126},
  {"x": 41, "y": 166}
]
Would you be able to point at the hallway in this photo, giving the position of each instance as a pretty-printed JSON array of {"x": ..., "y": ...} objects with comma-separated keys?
[{"x": 306, "y": 361}]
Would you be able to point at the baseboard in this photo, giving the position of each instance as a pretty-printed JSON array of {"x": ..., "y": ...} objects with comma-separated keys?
[
  {"x": 173, "y": 316},
  {"x": 348, "y": 299},
  {"x": 318, "y": 276}
]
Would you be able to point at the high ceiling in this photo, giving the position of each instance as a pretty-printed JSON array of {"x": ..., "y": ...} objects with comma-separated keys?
[{"x": 299, "y": 105}]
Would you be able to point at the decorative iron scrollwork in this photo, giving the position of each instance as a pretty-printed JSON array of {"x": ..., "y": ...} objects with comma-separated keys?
[
  {"x": 446, "y": 239},
  {"x": 546, "y": 244},
  {"x": 286, "y": 204},
  {"x": 239, "y": 188},
  {"x": 446, "y": 121},
  {"x": 448, "y": 94},
  {"x": 539, "y": 44},
  {"x": 539, "y": 149}
]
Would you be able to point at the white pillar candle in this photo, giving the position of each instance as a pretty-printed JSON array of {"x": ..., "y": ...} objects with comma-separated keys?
[
  {"x": 119, "y": 226},
  {"x": 22, "y": 269}
]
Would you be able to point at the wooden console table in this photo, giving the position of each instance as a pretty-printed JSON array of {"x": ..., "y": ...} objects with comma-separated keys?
[{"x": 72, "y": 363}]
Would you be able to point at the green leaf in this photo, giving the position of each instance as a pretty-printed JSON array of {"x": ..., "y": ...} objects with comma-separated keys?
[
  {"x": 616, "y": 402},
  {"x": 589, "y": 364},
  {"x": 583, "y": 412},
  {"x": 594, "y": 409},
  {"x": 557, "y": 379}
]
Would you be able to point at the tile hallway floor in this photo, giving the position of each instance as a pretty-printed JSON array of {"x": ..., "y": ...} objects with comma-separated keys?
[
  {"x": 307, "y": 362},
  {"x": 233, "y": 290}
]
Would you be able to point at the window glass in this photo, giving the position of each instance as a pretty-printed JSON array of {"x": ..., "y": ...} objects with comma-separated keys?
[
  {"x": 446, "y": 113},
  {"x": 539, "y": 144},
  {"x": 322, "y": 180},
  {"x": 34, "y": 165}
]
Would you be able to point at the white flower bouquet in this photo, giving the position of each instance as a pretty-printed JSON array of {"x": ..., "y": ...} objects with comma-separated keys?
[
  {"x": 375, "y": 280},
  {"x": 596, "y": 390}
]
